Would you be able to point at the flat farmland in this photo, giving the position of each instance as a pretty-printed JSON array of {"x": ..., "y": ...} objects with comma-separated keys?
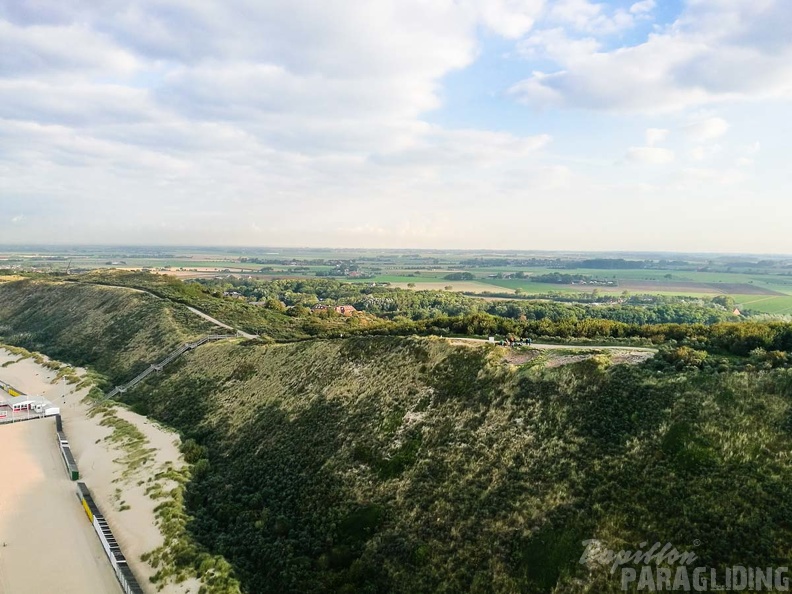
[
  {"x": 669, "y": 274},
  {"x": 695, "y": 288},
  {"x": 424, "y": 278},
  {"x": 506, "y": 285},
  {"x": 781, "y": 304},
  {"x": 760, "y": 284},
  {"x": 458, "y": 286}
]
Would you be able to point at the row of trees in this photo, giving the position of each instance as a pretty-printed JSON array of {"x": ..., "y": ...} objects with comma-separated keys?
[
  {"x": 736, "y": 338},
  {"x": 700, "y": 325},
  {"x": 394, "y": 303}
]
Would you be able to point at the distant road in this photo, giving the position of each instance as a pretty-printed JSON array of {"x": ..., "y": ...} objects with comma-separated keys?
[
  {"x": 219, "y": 323},
  {"x": 197, "y": 312},
  {"x": 567, "y": 346},
  {"x": 534, "y": 345}
]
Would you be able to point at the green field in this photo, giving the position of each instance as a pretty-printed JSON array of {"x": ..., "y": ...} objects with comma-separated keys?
[
  {"x": 759, "y": 284},
  {"x": 687, "y": 283},
  {"x": 766, "y": 303}
]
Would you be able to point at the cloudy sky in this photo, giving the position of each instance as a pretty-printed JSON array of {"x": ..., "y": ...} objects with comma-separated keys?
[{"x": 526, "y": 124}]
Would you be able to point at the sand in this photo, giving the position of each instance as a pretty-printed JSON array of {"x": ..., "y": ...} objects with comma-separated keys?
[
  {"x": 47, "y": 543},
  {"x": 99, "y": 462}
]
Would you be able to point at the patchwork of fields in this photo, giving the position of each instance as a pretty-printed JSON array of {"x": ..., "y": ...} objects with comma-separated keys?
[
  {"x": 763, "y": 285},
  {"x": 764, "y": 293}
]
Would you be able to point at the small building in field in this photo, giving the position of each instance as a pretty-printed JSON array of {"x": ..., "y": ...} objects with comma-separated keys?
[
  {"x": 344, "y": 310},
  {"x": 737, "y": 312}
]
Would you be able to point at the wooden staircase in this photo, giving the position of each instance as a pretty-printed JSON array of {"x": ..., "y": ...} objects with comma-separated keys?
[{"x": 157, "y": 367}]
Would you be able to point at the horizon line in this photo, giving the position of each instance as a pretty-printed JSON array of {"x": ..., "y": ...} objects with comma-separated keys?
[{"x": 63, "y": 246}]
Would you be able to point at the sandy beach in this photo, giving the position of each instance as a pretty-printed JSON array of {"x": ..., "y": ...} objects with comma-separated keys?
[
  {"x": 118, "y": 489},
  {"x": 47, "y": 543}
]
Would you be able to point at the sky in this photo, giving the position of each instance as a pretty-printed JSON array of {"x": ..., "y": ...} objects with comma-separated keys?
[{"x": 482, "y": 124}]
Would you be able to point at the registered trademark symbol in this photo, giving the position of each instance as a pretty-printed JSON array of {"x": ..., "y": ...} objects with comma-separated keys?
[{"x": 696, "y": 542}]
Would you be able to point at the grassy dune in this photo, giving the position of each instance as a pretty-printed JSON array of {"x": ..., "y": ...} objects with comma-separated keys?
[
  {"x": 409, "y": 465},
  {"x": 115, "y": 331},
  {"x": 400, "y": 465}
]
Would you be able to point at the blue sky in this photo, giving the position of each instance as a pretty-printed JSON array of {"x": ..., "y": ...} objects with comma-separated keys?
[{"x": 520, "y": 124}]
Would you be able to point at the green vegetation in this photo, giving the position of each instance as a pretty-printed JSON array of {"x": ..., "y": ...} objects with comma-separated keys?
[
  {"x": 460, "y": 276},
  {"x": 269, "y": 323},
  {"x": 180, "y": 557},
  {"x": 257, "y": 320},
  {"x": 391, "y": 463},
  {"x": 400, "y": 304},
  {"x": 115, "y": 331},
  {"x": 538, "y": 274},
  {"x": 409, "y": 465},
  {"x": 126, "y": 437}
]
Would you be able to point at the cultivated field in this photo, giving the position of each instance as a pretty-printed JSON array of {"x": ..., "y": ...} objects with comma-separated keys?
[
  {"x": 468, "y": 286},
  {"x": 696, "y": 275}
]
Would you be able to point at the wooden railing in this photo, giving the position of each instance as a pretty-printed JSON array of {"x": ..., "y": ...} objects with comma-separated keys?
[{"x": 157, "y": 367}]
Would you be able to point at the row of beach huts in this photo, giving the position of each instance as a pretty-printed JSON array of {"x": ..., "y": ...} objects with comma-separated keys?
[{"x": 126, "y": 578}]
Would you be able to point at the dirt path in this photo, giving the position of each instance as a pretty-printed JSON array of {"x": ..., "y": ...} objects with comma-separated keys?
[
  {"x": 197, "y": 312},
  {"x": 209, "y": 318},
  {"x": 564, "y": 346},
  {"x": 618, "y": 355}
]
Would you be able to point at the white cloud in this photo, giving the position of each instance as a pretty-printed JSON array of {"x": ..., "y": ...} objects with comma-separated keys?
[
  {"x": 635, "y": 78},
  {"x": 655, "y": 136},
  {"x": 650, "y": 155},
  {"x": 721, "y": 51},
  {"x": 704, "y": 152},
  {"x": 555, "y": 44},
  {"x": 643, "y": 7},
  {"x": 199, "y": 112},
  {"x": 509, "y": 18},
  {"x": 589, "y": 17},
  {"x": 698, "y": 175},
  {"x": 308, "y": 122},
  {"x": 698, "y": 153},
  {"x": 303, "y": 77},
  {"x": 707, "y": 129},
  {"x": 59, "y": 50}
]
